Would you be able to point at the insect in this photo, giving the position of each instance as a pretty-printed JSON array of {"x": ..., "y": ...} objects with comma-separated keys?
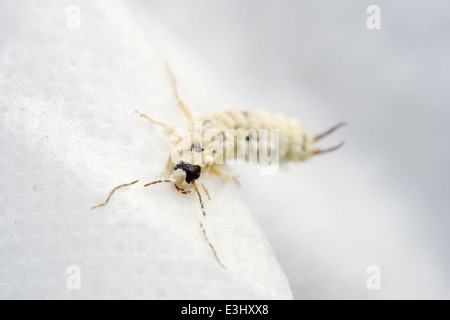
[{"x": 208, "y": 141}]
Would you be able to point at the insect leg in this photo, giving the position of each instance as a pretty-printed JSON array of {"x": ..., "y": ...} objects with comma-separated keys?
[
  {"x": 206, "y": 191},
  {"x": 170, "y": 129},
  {"x": 152, "y": 120},
  {"x": 111, "y": 193},
  {"x": 168, "y": 163},
  {"x": 182, "y": 105},
  {"x": 225, "y": 175},
  {"x": 181, "y": 190},
  {"x": 166, "y": 170}
]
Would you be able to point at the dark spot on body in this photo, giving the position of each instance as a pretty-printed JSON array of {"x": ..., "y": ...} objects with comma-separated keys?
[
  {"x": 192, "y": 171},
  {"x": 196, "y": 147}
]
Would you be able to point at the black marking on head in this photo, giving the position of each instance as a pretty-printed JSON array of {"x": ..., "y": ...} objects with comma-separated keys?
[
  {"x": 196, "y": 148},
  {"x": 192, "y": 171}
]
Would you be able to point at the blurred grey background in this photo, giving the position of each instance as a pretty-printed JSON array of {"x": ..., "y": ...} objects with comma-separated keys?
[{"x": 383, "y": 198}]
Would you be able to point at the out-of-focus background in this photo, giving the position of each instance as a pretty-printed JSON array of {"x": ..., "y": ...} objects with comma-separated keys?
[{"x": 383, "y": 198}]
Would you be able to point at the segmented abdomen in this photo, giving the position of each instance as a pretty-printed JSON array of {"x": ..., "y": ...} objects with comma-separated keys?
[{"x": 294, "y": 143}]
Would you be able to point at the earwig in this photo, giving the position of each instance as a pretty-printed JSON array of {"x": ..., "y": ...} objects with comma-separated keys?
[{"x": 210, "y": 139}]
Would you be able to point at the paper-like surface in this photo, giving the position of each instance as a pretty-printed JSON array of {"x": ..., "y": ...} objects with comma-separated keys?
[{"x": 71, "y": 77}]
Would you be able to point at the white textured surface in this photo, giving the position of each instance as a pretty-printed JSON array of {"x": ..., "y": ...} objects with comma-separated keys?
[
  {"x": 383, "y": 199},
  {"x": 68, "y": 135}
]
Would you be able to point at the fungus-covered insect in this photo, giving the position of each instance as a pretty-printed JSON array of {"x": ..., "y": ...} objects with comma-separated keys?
[{"x": 209, "y": 140}]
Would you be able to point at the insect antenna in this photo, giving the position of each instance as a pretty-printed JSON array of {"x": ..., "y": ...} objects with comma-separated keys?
[
  {"x": 111, "y": 193},
  {"x": 155, "y": 182},
  {"x": 211, "y": 246},
  {"x": 206, "y": 191},
  {"x": 201, "y": 225},
  {"x": 318, "y": 151},
  {"x": 320, "y": 136}
]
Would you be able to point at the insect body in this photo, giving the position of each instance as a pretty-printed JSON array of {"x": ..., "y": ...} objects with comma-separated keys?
[
  {"x": 215, "y": 140},
  {"x": 209, "y": 142}
]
